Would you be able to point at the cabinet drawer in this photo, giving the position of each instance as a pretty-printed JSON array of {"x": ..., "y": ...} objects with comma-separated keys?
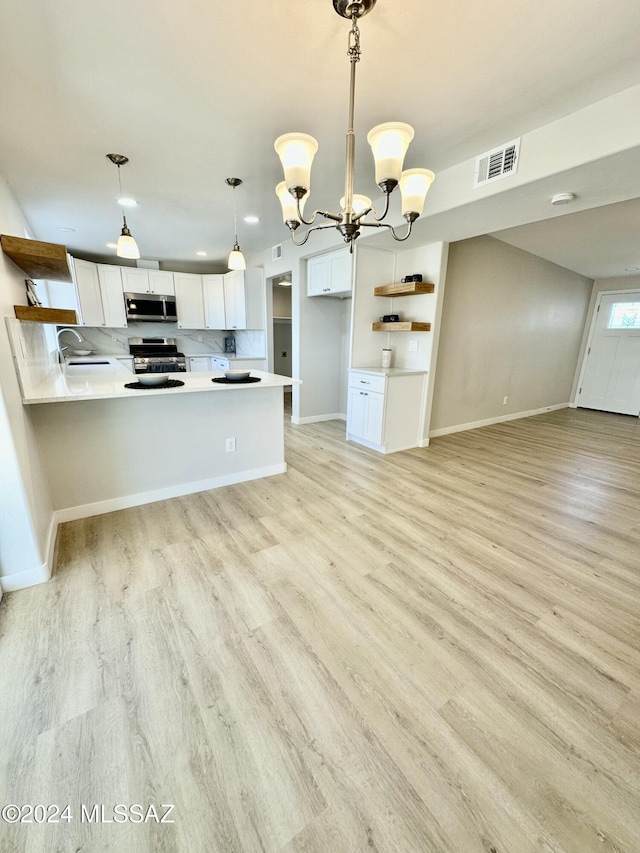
[
  {"x": 367, "y": 381},
  {"x": 219, "y": 363}
]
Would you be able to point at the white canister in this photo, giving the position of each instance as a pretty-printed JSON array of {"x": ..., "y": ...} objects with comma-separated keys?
[{"x": 386, "y": 358}]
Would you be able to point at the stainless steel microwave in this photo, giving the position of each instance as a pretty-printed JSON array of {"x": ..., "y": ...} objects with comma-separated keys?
[{"x": 150, "y": 308}]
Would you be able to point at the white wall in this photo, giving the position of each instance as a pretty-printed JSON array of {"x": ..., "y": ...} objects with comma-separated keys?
[
  {"x": 26, "y": 513},
  {"x": 512, "y": 324}
]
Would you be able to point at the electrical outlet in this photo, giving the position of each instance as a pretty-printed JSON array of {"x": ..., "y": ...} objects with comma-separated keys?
[
  {"x": 413, "y": 345},
  {"x": 230, "y": 445},
  {"x": 505, "y": 400},
  {"x": 114, "y": 337},
  {"x": 199, "y": 339}
]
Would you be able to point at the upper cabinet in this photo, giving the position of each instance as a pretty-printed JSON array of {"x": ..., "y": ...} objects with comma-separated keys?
[
  {"x": 213, "y": 295},
  {"x": 138, "y": 280},
  {"x": 110, "y": 279},
  {"x": 330, "y": 274},
  {"x": 100, "y": 297},
  {"x": 189, "y": 301},
  {"x": 234, "y": 300}
]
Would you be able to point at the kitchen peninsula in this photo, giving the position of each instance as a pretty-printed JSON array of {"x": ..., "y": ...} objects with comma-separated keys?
[{"x": 105, "y": 447}]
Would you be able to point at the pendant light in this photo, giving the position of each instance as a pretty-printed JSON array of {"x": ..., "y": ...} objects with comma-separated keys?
[
  {"x": 236, "y": 258},
  {"x": 389, "y": 143},
  {"x": 126, "y": 246}
]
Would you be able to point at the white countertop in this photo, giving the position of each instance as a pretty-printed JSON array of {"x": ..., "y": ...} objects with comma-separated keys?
[
  {"x": 107, "y": 381},
  {"x": 388, "y": 371}
]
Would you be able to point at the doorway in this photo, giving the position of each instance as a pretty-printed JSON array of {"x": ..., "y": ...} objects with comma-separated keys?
[
  {"x": 282, "y": 338},
  {"x": 611, "y": 378}
]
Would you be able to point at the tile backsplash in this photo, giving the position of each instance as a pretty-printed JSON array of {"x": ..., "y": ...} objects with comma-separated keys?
[{"x": 249, "y": 342}]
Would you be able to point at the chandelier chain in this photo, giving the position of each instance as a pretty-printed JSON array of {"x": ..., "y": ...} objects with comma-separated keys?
[{"x": 354, "y": 41}]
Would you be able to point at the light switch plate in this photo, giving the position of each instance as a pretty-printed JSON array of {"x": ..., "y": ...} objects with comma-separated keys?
[{"x": 413, "y": 345}]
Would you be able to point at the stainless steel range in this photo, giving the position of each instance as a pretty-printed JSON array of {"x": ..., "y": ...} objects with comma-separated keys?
[{"x": 156, "y": 355}]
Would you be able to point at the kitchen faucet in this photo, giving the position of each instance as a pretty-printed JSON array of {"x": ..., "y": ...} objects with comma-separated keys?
[{"x": 60, "y": 349}]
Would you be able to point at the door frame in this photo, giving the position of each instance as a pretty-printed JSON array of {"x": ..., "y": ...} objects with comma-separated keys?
[{"x": 592, "y": 328}]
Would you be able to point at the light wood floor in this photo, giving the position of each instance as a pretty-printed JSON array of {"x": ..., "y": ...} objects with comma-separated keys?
[{"x": 433, "y": 651}]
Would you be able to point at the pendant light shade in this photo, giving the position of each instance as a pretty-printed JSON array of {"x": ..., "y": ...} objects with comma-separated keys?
[
  {"x": 236, "y": 258},
  {"x": 126, "y": 246}
]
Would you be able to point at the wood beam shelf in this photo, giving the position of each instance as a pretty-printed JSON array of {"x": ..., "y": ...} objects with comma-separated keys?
[
  {"x": 401, "y": 326},
  {"x": 60, "y": 316},
  {"x": 39, "y": 260},
  {"x": 408, "y": 288}
]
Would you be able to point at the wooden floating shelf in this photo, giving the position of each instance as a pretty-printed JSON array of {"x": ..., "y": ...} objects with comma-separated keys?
[
  {"x": 401, "y": 326},
  {"x": 60, "y": 316},
  {"x": 409, "y": 288},
  {"x": 38, "y": 259}
]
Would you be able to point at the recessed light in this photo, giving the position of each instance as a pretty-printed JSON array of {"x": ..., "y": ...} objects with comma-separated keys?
[
  {"x": 563, "y": 198},
  {"x": 112, "y": 245},
  {"x": 251, "y": 220},
  {"x": 63, "y": 228},
  {"x": 128, "y": 202},
  {"x": 201, "y": 254}
]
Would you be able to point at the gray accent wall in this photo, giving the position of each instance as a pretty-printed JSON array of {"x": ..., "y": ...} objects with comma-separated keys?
[{"x": 512, "y": 324}]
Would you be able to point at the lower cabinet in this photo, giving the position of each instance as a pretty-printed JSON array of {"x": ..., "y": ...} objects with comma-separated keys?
[
  {"x": 385, "y": 409},
  {"x": 199, "y": 362}
]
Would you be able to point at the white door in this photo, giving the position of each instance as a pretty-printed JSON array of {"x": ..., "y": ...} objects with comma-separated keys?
[{"x": 611, "y": 379}]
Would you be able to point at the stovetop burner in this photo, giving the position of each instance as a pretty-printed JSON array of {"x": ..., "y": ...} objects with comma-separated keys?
[{"x": 154, "y": 347}]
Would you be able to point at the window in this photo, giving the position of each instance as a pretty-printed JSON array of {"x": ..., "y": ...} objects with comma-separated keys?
[{"x": 624, "y": 315}]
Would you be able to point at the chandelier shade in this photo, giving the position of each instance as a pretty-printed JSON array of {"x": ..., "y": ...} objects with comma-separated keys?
[
  {"x": 414, "y": 185},
  {"x": 360, "y": 203},
  {"x": 288, "y": 203},
  {"x": 296, "y": 152},
  {"x": 389, "y": 143}
]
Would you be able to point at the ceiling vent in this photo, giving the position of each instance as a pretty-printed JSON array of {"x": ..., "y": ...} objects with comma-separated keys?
[
  {"x": 276, "y": 252},
  {"x": 498, "y": 163}
]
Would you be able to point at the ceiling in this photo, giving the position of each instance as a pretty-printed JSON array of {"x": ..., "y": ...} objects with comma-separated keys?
[{"x": 196, "y": 92}]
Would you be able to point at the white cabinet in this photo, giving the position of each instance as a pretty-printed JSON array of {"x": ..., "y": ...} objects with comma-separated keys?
[
  {"x": 199, "y": 363},
  {"x": 137, "y": 280},
  {"x": 386, "y": 408},
  {"x": 89, "y": 298},
  {"x": 244, "y": 299},
  {"x": 219, "y": 363},
  {"x": 113, "y": 307},
  {"x": 189, "y": 301},
  {"x": 330, "y": 274},
  {"x": 234, "y": 300},
  {"x": 99, "y": 291},
  {"x": 214, "y": 304}
]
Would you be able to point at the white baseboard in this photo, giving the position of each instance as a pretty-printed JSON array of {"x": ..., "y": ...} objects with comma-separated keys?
[
  {"x": 314, "y": 419},
  {"x": 33, "y": 577},
  {"x": 488, "y": 421},
  {"x": 112, "y": 505}
]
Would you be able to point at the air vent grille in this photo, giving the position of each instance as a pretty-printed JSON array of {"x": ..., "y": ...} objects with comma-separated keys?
[
  {"x": 498, "y": 163},
  {"x": 276, "y": 252}
]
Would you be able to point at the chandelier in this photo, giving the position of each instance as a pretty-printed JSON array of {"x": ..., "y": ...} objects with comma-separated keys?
[{"x": 389, "y": 143}]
